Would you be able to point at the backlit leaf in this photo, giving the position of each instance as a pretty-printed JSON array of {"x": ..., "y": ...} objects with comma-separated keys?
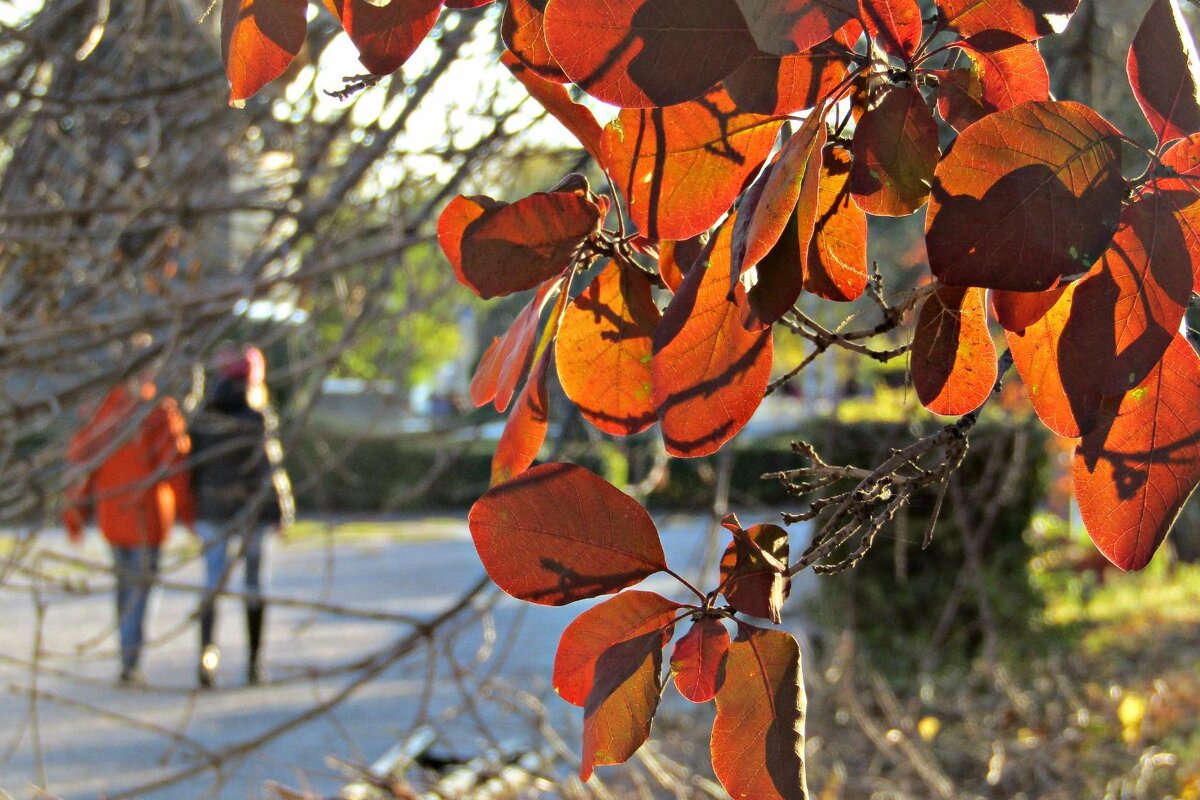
[
  {"x": 386, "y": 35},
  {"x": 1164, "y": 72},
  {"x": 604, "y": 351},
  {"x": 781, "y": 27},
  {"x": 710, "y": 372},
  {"x": 524, "y": 34},
  {"x": 500, "y": 248},
  {"x": 644, "y": 53},
  {"x": 506, "y": 359},
  {"x": 994, "y": 72},
  {"x": 558, "y": 533},
  {"x": 628, "y": 615},
  {"x": 953, "y": 356},
  {"x": 836, "y": 267},
  {"x": 464, "y": 4},
  {"x": 895, "y": 150},
  {"x": 1134, "y": 471},
  {"x": 752, "y": 577},
  {"x": 525, "y": 430},
  {"x": 697, "y": 659},
  {"x": 1016, "y": 311},
  {"x": 676, "y": 258},
  {"x": 554, "y": 98},
  {"x": 897, "y": 24},
  {"x": 777, "y": 85},
  {"x": 1028, "y": 19},
  {"x": 758, "y": 735},
  {"x": 259, "y": 39},
  {"x": 681, "y": 167},
  {"x": 1025, "y": 197}
]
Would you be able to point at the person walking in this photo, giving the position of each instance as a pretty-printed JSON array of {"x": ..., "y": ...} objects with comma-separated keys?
[
  {"x": 133, "y": 450},
  {"x": 242, "y": 493}
]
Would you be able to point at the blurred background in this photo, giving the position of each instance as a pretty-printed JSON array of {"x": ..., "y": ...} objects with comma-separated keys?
[{"x": 143, "y": 223}]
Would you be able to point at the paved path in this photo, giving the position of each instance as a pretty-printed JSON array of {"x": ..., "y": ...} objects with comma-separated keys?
[{"x": 73, "y": 735}]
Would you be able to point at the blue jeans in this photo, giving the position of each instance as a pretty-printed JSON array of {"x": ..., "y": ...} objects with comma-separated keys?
[
  {"x": 216, "y": 539},
  {"x": 136, "y": 569}
]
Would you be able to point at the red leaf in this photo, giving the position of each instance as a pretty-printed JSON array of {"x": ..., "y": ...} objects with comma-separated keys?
[
  {"x": 464, "y": 4},
  {"x": 525, "y": 430},
  {"x": 604, "y": 351},
  {"x": 681, "y": 167},
  {"x": 645, "y": 53},
  {"x": 1016, "y": 311},
  {"x": 1028, "y": 19},
  {"x": 1000, "y": 72},
  {"x": 386, "y": 35},
  {"x": 676, "y": 258},
  {"x": 1164, "y": 72},
  {"x": 628, "y": 615},
  {"x": 501, "y": 248},
  {"x": 558, "y": 533},
  {"x": 789, "y": 189},
  {"x": 895, "y": 150},
  {"x": 1134, "y": 471},
  {"x": 710, "y": 372},
  {"x": 779, "y": 85},
  {"x": 259, "y": 39},
  {"x": 698, "y": 657},
  {"x": 758, "y": 735},
  {"x": 897, "y": 24},
  {"x": 752, "y": 576},
  {"x": 836, "y": 267},
  {"x": 524, "y": 33},
  {"x": 782, "y": 27},
  {"x": 1025, "y": 197},
  {"x": 554, "y": 98},
  {"x": 506, "y": 359},
  {"x": 953, "y": 355}
]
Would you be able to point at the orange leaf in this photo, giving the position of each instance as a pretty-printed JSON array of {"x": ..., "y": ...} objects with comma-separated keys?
[
  {"x": 697, "y": 659},
  {"x": 996, "y": 72},
  {"x": 751, "y": 576},
  {"x": 604, "y": 351},
  {"x": 1136, "y": 469},
  {"x": 259, "y": 39},
  {"x": 710, "y": 372},
  {"x": 1016, "y": 311},
  {"x": 386, "y": 35},
  {"x": 895, "y": 149},
  {"x": 554, "y": 98},
  {"x": 628, "y": 615},
  {"x": 953, "y": 355},
  {"x": 1028, "y": 19},
  {"x": 758, "y": 735},
  {"x": 782, "y": 27},
  {"x": 676, "y": 258},
  {"x": 525, "y": 430},
  {"x": 645, "y": 53},
  {"x": 681, "y": 167},
  {"x": 506, "y": 359},
  {"x": 897, "y": 24},
  {"x": 1025, "y": 197},
  {"x": 778, "y": 85},
  {"x": 558, "y": 533},
  {"x": 500, "y": 248},
  {"x": 524, "y": 34},
  {"x": 836, "y": 267},
  {"x": 1164, "y": 72}
]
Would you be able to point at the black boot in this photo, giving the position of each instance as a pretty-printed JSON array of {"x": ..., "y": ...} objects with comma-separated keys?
[
  {"x": 210, "y": 656},
  {"x": 254, "y": 627}
]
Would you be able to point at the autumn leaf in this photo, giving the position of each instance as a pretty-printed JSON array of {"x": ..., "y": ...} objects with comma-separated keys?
[
  {"x": 605, "y": 349},
  {"x": 782, "y": 27},
  {"x": 506, "y": 359},
  {"x": 753, "y": 569},
  {"x": 897, "y": 24},
  {"x": 698, "y": 657},
  {"x": 1025, "y": 198},
  {"x": 995, "y": 71},
  {"x": 710, "y": 371},
  {"x": 1016, "y": 311},
  {"x": 681, "y": 167},
  {"x": 386, "y": 35},
  {"x": 895, "y": 150},
  {"x": 1136, "y": 469},
  {"x": 953, "y": 356},
  {"x": 836, "y": 265},
  {"x": 558, "y": 533},
  {"x": 500, "y": 248},
  {"x": 778, "y": 85},
  {"x": 1164, "y": 73},
  {"x": 525, "y": 431},
  {"x": 259, "y": 39},
  {"x": 554, "y": 98},
  {"x": 758, "y": 735},
  {"x": 523, "y": 30},
  {"x": 1028, "y": 19},
  {"x": 646, "y": 53}
]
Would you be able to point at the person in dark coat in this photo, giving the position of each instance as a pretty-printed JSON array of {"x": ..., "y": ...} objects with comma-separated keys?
[{"x": 241, "y": 495}]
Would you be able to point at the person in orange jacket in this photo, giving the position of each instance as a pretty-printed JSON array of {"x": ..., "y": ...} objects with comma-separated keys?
[{"x": 134, "y": 451}]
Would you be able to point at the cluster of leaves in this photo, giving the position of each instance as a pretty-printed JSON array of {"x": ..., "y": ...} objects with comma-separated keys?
[{"x": 753, "y": 140}]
